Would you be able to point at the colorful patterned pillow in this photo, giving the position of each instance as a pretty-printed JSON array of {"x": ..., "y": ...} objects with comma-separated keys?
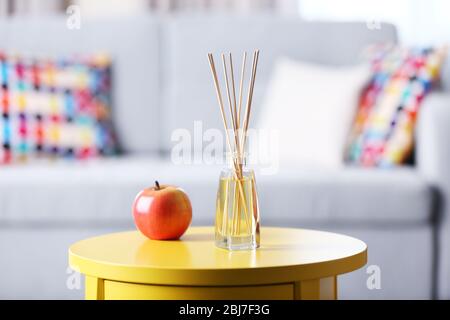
[
  {"x": 383, "y": 130},
  {"x": 54, "y": 108}
]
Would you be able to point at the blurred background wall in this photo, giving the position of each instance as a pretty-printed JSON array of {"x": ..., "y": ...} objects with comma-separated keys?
[
  {"x": 102, "y": 7},
  {"x": 420, "y": 22}
]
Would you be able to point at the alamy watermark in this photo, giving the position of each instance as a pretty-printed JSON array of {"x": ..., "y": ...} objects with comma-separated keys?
[
  {"x": 208, "y": 147},
  {"x": 73, "y": 21},
  {"x": 73, "y": 281},
  {"x": 373, "y": 24},
  {"x": 374, "y": 279}
]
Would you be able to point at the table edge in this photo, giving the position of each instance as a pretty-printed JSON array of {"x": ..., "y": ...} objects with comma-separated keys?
[{"x": 219, "y": 277}]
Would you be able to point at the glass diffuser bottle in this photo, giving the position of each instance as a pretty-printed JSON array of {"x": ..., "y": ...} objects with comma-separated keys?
[{"x": 237, "y": 210}]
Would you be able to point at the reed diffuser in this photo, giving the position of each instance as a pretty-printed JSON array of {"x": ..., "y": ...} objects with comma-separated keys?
[{"x": 237, "y": 212}]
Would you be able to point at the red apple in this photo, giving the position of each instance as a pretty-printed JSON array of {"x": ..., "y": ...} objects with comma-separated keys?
[{"x": 162, "y": 212}]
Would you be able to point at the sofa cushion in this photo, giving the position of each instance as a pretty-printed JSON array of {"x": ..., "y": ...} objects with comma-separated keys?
[
  {"x": 66, "y": 114},
  {"x": 133, "y": 44},
  {"x": 348, "y": 196},
  {"x": 383, "y": 132},
  {"x": 102, "y": 190},
  {"x": 297, "y": 108}
]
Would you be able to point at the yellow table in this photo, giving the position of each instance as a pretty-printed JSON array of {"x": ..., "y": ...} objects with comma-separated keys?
[{"x": 290, "y": 264}]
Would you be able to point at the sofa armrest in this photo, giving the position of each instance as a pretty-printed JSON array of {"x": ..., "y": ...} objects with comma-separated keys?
[
  {"x": 433, "y": 163},
  {"x": 433, "y": 140}
]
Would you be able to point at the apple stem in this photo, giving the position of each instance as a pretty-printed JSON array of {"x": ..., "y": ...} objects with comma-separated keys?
[{"x": 157, "y": 185}]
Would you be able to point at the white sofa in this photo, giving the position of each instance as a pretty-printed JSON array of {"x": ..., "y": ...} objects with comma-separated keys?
[{"x": 161, "y": 82}]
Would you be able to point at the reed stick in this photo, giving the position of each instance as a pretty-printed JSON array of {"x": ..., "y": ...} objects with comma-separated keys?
[
  {"x": 235, "y": 214},
  {"x": 233, "y": 112},
  {"x": 241, "y": 86},
  {"x": 236, "y": 143},
  {"x": 238, "y": 129},
  {"x": 231, "y": 94},
  {"x": 225, "y": 209},
  {"x": 236, "y": 126},
  {"x": 239, "y": 152},
  {"x": 224, "y": 120},
  {"x": 249, "y": 99}
]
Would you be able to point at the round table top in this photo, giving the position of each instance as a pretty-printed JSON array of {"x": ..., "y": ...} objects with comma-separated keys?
[{"x": 285, "y": 255}]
